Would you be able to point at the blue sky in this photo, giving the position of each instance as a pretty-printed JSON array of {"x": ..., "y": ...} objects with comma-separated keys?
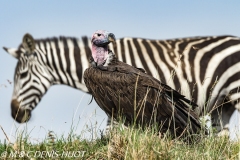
[{"x": 62, "y": 105}]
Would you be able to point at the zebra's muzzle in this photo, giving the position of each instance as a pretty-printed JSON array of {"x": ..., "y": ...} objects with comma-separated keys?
[{"x": 19, "y": 114}]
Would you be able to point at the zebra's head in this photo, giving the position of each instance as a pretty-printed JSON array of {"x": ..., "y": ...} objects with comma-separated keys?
[{"x": 31, "y": 79}]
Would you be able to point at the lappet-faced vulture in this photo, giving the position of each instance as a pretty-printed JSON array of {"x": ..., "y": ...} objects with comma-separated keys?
[{"x": 125, "y": 91}]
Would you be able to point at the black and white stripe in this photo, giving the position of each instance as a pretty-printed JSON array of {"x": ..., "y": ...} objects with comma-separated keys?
[{"x": 205, "y": 69}]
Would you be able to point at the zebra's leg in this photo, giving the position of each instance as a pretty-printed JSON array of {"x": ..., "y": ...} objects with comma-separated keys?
[
  {"x": 221, "y": 117},
  {"x": 234, "y": 126},
  {"x": 108, "y": 127},
  {"x": 111, "y": 123}
]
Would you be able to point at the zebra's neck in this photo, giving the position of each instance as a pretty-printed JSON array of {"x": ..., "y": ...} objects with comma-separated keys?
[{"x": 66, "y": 59}]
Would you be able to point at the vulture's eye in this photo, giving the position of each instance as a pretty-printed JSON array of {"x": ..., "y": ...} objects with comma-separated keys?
[{"x": 99, "y": 34}]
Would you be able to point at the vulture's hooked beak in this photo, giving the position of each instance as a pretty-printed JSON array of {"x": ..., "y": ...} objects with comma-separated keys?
[{"x": 111, "y": 37}]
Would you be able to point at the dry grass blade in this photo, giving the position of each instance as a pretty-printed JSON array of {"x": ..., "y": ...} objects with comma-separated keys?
[{"x": 5, "y": 135}]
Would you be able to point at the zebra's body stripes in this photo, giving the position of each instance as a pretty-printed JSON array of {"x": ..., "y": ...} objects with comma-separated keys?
[{"x": 205, "y": 69}]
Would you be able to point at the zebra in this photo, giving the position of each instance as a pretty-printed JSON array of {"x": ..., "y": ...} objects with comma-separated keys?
[{"x": 204, "y": 69}]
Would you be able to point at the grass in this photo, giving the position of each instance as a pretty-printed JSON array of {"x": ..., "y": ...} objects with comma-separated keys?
[{"x": 132, "y": 143}]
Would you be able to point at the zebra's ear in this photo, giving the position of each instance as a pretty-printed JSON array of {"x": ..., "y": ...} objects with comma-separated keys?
[
  {"x": 28, "y": 43},
  {"x": 13, "y": 51}
]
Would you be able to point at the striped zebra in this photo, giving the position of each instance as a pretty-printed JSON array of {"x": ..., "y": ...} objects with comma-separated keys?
[{"x": 205, "y": 69}]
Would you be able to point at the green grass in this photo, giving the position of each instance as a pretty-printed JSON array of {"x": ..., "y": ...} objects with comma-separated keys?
[{"x": 122, "y": 143}]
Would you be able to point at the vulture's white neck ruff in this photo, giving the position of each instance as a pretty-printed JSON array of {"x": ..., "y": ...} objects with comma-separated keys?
[{"x": 109, "y": 59}]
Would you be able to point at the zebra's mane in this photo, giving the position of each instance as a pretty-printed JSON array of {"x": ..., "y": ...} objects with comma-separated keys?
[{"x": 63, "y": 39}]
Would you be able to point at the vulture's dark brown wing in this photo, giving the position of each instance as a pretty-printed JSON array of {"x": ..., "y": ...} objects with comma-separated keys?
[{"x": 114, "y": 91}]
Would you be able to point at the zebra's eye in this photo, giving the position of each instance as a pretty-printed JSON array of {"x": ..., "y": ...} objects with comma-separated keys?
[
  {"x": 23, "y": 75},
  {"x": 99, "y": 34}
]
